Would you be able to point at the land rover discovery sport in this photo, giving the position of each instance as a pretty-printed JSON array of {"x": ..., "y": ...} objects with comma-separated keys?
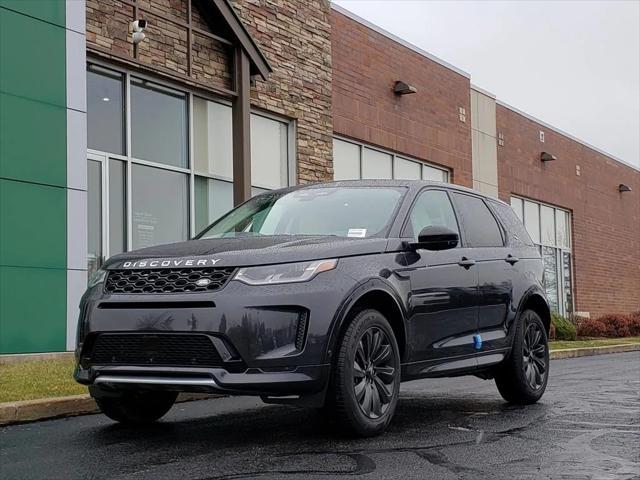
[{"x": 325, "y": 295}]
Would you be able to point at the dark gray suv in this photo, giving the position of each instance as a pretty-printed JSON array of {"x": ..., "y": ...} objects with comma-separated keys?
[{"x": 324, "y": 295}]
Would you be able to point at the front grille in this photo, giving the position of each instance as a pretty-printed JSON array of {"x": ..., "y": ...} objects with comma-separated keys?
[
  {"x": 167, "y": 280},
  {"x": 178, "y": 350}
]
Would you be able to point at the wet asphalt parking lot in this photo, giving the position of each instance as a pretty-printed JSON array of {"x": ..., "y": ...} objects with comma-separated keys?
[{"x": 587, "y": 426}]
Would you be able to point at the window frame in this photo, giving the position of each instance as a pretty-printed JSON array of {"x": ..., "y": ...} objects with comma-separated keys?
[
  {"x": 190, "y": 170},
  {"x": 361, "y": 146}
]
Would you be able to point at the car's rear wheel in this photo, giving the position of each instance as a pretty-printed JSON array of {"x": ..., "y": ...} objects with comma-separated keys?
[
  {"x": 522, "y": 378},
  {"x": 366, "y": 378},
  {"x": 137, "y": 407}
]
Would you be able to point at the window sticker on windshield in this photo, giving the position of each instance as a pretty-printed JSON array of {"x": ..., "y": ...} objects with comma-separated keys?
[{"x": 357, "y": 232}]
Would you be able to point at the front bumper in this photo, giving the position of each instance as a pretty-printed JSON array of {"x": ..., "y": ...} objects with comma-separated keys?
[
  {"x": 300, "y": 381},
  {"x": 273, "y": 339}
]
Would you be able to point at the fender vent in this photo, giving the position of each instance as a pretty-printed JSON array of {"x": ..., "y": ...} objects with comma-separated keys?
[{"x": 302, "y": 330}]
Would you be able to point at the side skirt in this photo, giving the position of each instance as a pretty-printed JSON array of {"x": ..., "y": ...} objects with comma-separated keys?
[{"x": 453, "y": 366}]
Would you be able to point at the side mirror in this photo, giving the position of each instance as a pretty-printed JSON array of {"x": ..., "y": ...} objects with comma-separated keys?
[{"x": 436, "y": 238}]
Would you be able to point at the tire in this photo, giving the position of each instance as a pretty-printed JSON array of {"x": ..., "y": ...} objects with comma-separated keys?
[
  {"x": 522, "y": 378},
  {"x": 365, "y": 381},
  {"x": 137, "y": 407}
]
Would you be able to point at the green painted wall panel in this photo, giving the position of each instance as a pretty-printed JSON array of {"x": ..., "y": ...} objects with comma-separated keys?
[
  {"x": 32, "y": 323},
  {"x": 32, "y": 56},
  {"x": 33, "y": 225},
  {"x": 52, "y": 11},
  {"x": 33, "y": 200},
  {"x": 33, "y": 141}
]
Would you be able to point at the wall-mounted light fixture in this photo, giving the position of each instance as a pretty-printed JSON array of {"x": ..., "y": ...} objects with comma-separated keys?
[
  {"x": 624, "y": 188},
  {"x": 403, "y": 88},
  {"x": 547, "y": 157}
]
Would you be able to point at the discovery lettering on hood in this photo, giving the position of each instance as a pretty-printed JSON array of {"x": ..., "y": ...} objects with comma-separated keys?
[{"x": 206, "y": 262}]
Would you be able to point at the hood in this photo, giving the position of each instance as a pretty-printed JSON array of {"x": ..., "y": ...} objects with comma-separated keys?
[{"x": 246, "y": 251}]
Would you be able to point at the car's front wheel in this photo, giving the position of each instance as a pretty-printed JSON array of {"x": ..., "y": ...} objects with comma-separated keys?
[
  {"x": 137, "y": 407},
  {"x": 522, "y": 378},
  {"x": 366, "y": 378}
]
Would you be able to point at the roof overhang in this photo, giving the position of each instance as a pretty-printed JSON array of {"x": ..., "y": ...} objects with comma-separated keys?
[{"x": 221, "y": 11}]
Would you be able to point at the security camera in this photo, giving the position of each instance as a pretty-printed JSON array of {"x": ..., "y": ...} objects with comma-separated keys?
[
  {"x": 138, "y": 26},
  {"x": 137, "y": 37}
]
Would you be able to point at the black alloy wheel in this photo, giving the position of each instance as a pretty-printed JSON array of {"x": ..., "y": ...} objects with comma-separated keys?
[
  {"x": 374, "y": 373},
  {"x": 365, "y": 380},
  {"x": 533, "y": 356},
  {"x": 522, "y": 377}
]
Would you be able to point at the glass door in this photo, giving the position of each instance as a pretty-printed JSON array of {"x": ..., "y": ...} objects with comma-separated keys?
[
  {"x": 106, "y": 209},
  {"x": 95, "y": 213}
]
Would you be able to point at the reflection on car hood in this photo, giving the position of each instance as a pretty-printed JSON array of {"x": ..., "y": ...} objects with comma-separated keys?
[{"x": 250, "y": 250}]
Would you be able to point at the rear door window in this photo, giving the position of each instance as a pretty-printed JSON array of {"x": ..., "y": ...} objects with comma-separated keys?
[{"x": 478, "y": 223}]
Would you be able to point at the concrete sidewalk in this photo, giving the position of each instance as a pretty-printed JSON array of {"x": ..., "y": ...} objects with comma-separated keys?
[{"x": 48, "y": 408}]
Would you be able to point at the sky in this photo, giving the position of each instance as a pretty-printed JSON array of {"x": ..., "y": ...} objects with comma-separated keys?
[{"x": 574, "y": 64}]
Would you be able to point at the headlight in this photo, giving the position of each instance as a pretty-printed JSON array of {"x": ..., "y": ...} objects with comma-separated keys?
[
  {"x": 97, "y": 277},
  {"x": 284, "y": 273}
]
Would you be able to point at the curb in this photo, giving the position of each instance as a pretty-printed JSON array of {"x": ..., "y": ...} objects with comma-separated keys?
[
  {"x": 71, "y": 406},
  {"x": 589, "y": 351},
  {"x": 49, "y": 408},
  {"x": 31, "y": 410}
]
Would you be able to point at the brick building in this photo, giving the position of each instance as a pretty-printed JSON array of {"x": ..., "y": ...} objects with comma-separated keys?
[{"x": 145, "y": 143}]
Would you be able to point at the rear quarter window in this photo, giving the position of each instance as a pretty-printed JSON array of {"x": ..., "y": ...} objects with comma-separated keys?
[{"x": 516, "y": 232}]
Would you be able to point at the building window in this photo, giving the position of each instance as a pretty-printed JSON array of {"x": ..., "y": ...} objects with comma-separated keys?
[
  {"x": 376, "y": 164},
  {"x": 212, "y": 142},
  {"x": 213, "y": 188},
  {"x": 159, "y": 206},
  {"x": 269, "y": 144},
  {"x": 550, "y": 228},
  {"x": 158, "y": 123},
  {"x": 352, "y": 161},
  {"x": 407, "y": 169},
  {"x": 160, "y": 160},
  {"x": 346, "y": 160},
  {"x": 105, "y": 110}
]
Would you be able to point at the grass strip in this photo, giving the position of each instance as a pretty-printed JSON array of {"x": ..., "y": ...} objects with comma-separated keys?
[{"x": 53, "y": 378}]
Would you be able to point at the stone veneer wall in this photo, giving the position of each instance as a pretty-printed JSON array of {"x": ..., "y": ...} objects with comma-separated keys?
[{"x": 295, "y": 36}]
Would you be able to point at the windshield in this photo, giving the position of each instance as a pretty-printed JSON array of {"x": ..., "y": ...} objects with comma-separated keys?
[{"x": 341, "y": 211}]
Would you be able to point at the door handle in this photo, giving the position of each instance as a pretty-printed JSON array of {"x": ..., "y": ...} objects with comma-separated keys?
[
  {"x": 511, "y": 259},
  {"x": 466, "y": 263}
]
